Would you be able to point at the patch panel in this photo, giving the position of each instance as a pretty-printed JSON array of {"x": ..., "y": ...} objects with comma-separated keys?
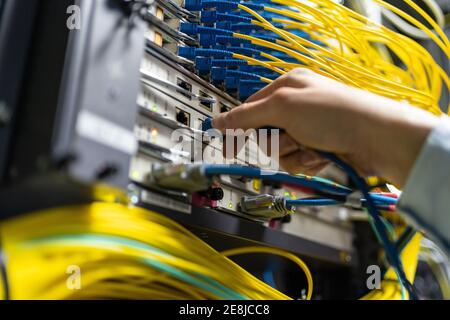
[
  {"x": 172, "y": 77},
  {"x": 189, "y": 107},
  {"x": 158, "y": 98},
  {"x": 234, "y": 189},
  {"x": 174, "y": 97},
  {"x": 158, "y": 137},
  {"x": 159, "y": 129}
]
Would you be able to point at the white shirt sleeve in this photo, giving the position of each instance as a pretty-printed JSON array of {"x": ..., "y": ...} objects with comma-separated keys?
[{"x": 425, "y": 200}]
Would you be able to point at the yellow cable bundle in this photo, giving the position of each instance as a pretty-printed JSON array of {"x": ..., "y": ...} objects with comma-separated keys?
[
  {"x": 351, "y": 52},
  {"x": 112, "y": 251},
  {"x": 390, "y": 287},
  {"x": 107, "y": 250}
]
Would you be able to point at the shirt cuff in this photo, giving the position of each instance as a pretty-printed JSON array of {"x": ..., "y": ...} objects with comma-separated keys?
[{"x": 426, "y": 197}]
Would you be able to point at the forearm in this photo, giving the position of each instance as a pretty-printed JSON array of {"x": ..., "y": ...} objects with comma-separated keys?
[{"x": 396, "y": 135}]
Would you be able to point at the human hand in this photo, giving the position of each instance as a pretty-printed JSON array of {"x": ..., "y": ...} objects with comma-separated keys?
[{"x": 373, "y": 133}]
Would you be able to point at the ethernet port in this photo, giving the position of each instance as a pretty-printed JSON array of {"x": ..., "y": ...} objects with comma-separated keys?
[
  {"x": 207, "y": 104},
  {"x": 186, "y": 86},
  {"x": 224, "y": 108},
  {"x": 183, "y": 117}
]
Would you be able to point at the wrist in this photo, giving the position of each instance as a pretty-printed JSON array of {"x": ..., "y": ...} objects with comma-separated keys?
[{"x": 404, "y": 137}]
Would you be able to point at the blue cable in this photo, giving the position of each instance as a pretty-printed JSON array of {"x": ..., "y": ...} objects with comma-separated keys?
[
  {"x": 389, "y": 247},
  {"x": 212, "y": 170},
  {"x": 371, "y": 200},
  {"x": 312, "y": 202},
  {"x": 377, "y": 234},
  {"x": 404, "y": 238},
  {"x": 269, "y": 278},
  {"x": 390, "y": 250},
  {"x": 384, "y": 199}
]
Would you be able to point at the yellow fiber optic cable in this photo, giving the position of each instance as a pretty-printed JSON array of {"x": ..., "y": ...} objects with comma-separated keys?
[
  {"x": 138, "y": 253},
  {"x": 443, "y": 43},
  {"x": 317, "y": 14},
  {"x": 256, "y": 62},
  {"x": 390, "y": 288},
  {"x": 269, "y": 25},
  {"x": 287, "y": 255},
  {"x": 290, "y": 38},
  {"x": 328, "y": 53},
  {"x": 309, "y": 10},
  {"x": 111, "y": 245},
  {"x": 307, "y": 60},
  {"x": 353, "y": 56}
]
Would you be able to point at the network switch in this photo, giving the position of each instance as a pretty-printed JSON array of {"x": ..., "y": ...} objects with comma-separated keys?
[{"x": 174, "y": 102}]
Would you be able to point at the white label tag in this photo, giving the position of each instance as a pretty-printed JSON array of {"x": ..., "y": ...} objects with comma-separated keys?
[{"x": 105, "y": 132}]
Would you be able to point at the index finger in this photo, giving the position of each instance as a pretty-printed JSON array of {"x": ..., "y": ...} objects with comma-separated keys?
[
  {"x": 297, "y": 78},
  {"x": 251, "y": 115}
]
